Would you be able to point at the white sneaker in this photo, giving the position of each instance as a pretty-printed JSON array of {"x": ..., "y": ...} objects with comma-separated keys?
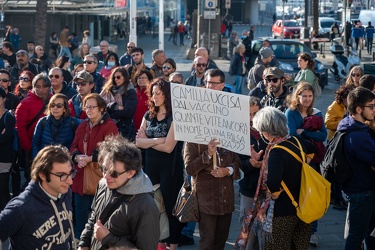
[{"x": 314, "y": 239}]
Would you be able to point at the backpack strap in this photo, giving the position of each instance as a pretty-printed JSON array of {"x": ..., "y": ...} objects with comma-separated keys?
[{"x": 295, "y": 204}]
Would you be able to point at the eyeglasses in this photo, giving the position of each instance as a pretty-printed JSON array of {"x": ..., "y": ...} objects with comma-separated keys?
[
  {"x": 25, "y": 79},
  {"x": 58, "y": 105},
  {"x": 118, "y": 77},
  {"x": 88, "y": 62},
  {"x": 111, "y": 173},
  {"x": 83, "y": 84},
  {"x": 201, "y": 65},
  {"x": 4, "y": 80},
  {"x": 90, "y": 107},
  {"x": 272, "y": 80},
  {"x": 213, "y": 83},
  {"x": 371, "y": 106},
  {"x": 64, "y": 177},
  {"x": 142, "y": 78},
  {"x": 167, "y": 67},
  {"x": 357, "y": 75},
  {"x": 55, "y": 76}
]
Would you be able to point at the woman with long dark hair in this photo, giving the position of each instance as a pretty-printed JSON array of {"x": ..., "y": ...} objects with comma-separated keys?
[
  {"x": 121, "y": 99},
  {"x": 163, "y": 158}
]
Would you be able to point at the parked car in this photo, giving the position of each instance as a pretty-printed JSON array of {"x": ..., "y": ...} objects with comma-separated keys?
[
  {"x": 325, "y": 24},
  {"x": 286, "y": 29},
  {"x": 286, "y": 52}
]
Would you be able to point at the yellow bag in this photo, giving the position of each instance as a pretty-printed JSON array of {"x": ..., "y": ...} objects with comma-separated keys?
[{"x": 314, "y": 196}]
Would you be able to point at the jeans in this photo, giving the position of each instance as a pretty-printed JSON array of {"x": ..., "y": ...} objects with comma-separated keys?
[
  {"x": 182, "y": 34},
  {"x": 239, "y": 82},
  {"x": 82, "y": 210},
  {"x": 65, "y": 50},
  {"x": 361, "y": 208},
  {"x": 369, "y": 45}
]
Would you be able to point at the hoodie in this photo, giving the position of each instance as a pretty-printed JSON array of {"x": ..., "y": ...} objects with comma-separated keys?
[
  {"x": 136, "y": 218},
  {"x": 359, "y": 147},
  {"x": 34, "y": 220}
]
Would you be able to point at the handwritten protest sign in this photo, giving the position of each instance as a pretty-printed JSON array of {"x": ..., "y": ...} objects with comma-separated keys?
[{"x": 200, "y": 114}]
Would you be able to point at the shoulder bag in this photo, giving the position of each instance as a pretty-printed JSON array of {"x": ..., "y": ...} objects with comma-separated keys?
[{"x": 92, "y": 173}]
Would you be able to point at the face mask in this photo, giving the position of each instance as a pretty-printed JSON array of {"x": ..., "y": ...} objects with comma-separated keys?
[
  {"x": 243, "y": 37},
  {"x": 111, "y": 64}
]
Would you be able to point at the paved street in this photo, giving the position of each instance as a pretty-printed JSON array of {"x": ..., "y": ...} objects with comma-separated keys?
[{"x": 331, "y": 226}]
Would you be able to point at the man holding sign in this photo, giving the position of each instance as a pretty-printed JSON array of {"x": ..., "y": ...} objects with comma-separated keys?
[{"x": 213, "y": 182}]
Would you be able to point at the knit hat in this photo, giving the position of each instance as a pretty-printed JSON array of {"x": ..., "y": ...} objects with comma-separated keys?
[
  {"x": 265, "y": 52},
  {"x": 84, "y": 75},
  {"x": 274, "y": 71}
]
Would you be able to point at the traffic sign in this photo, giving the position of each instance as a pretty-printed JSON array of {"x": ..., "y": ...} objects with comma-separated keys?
[
  {"x": 228, "y": 3},
  {"x": 210, "y": 4},
  {"x": 209, "y": 14}
]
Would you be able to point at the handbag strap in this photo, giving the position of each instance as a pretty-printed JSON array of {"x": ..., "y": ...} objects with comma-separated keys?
[
  {"x": 37, "y": 116},
  {"x": 85, "y": 143}
]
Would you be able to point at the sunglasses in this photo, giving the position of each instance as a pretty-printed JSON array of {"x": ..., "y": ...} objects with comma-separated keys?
[
  {"x": 167, "y": 67},
  {"x": 24, "y": 79},
  {"x": 54, "y": 76},
  {"x": 83, "y": 84},
  {"x": 88, "y": 62},
  {"x": 4, "y": 80},
  {"x": 58, "y": 105},
  {"x": 118, "y": 77},
  {"x": 272, "y": 80},
  {"x": 357, "y": 75},
  {"x": 130, "y": 47},
  {"x": 111, "y": 173},
  {"x": 201, "y": 65}
]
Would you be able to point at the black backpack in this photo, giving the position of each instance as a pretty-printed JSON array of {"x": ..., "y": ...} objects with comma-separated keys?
[{"x": 335, "y": 167}]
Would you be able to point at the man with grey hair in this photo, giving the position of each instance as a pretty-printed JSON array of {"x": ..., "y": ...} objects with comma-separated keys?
[
  {"x": 90, "y": 64},
  {"x": 158, "y": 58},
  {"x": 58, "y": 84},
  {"x": 176, "y": 77},
  {"x": 43, "y": 57},
  {"x": 104, "y": 50}
]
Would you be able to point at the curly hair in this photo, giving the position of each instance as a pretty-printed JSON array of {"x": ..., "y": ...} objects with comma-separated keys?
[
  {"x": 342, "y": 92},
  {"x": 111, "y": 80},
  {"x": 165, "y": 88},
  {"x": 294, "y": 102}
]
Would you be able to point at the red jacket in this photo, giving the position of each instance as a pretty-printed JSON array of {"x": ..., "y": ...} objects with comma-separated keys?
[
  {"x": 94, "y": 135},
  {"x": 141, "y": 109},
  {"x": 28, "y": 108}
]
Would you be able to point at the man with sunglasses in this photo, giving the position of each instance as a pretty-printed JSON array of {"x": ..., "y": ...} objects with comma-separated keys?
[
  {"x": 41, "y": 216},
  {"x": 127, "y": 60},
  {"x": 58, "y": 84},
  {"x": 359, "y": 148},
  {"x": 84, "y": 83},
  {"x": 43, "y": 57},
  {"x": 21, "y": 65},
  {"x": 200, "y": 66},
  {"x": 12, "y": 100},
  {"x": 124, "y": 211},
  {"x": 276, "y": 90},
  {"x": 90, "y": 64}
]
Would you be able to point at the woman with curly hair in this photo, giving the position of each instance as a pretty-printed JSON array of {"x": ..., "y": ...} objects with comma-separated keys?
[
  {"x": 354, "y": 75},
  {"x": 121, "y": 99},
  {"x": 83, "y": 51},
  {"x": 24, "y": 84},
  {"x": 163, "y": 158}
]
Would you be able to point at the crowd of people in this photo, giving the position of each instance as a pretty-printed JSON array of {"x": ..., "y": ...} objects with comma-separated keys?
[{"x": 111, "y": 115}]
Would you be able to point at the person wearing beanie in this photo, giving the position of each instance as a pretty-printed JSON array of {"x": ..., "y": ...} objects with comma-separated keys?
[{"x": 261, "y": 63}]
